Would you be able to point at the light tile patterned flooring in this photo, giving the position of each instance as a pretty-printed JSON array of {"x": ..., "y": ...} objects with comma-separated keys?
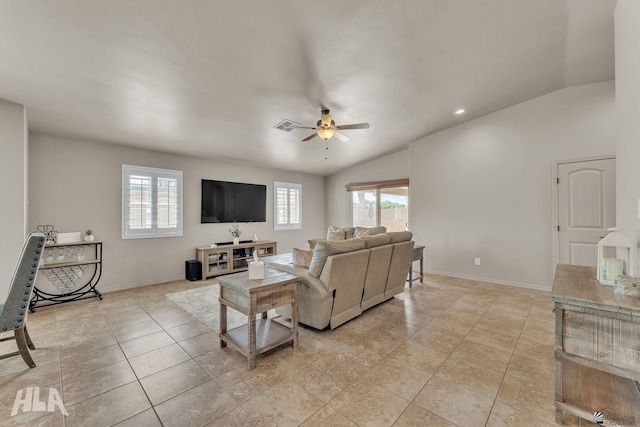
[{"x": 449, "y": 352}]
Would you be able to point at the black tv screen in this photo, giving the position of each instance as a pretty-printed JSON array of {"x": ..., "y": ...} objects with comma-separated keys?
[{"x": 224, "y": 201}]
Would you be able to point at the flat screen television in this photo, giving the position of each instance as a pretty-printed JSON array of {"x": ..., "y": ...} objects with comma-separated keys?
[{"x": 224, "y": 201}]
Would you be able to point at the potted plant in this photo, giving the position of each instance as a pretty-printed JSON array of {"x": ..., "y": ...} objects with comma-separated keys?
[
  {"x": 235, "y": 232},
  {"x": 88, "y": 236}
]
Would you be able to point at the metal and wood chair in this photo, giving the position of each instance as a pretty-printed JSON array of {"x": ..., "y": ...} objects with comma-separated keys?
[{"x": 13, "y": 312}]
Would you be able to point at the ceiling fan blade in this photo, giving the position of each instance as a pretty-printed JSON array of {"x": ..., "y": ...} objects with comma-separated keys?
[
  {"x": 303, "y": 127},
  {"x": 341, "y": 136},
  {"x": 356, "y": 126},
  {"x": 313, "y": 135}
]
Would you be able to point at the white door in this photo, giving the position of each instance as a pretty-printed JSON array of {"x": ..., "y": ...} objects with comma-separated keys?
[{"x": 586, "y": 208}]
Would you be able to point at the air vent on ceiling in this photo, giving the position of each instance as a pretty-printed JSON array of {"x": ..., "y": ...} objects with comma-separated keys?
[{"x": 287, "y": 125}]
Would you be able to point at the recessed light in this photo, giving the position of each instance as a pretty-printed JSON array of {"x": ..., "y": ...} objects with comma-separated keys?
[{"x": 459, "y": 111}]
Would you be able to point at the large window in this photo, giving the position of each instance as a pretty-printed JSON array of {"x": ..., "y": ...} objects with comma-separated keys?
[
  {"x": 287, "y": 206},
  {"x": 151, "y": 202},
  {"x": 380, "y": 203}
]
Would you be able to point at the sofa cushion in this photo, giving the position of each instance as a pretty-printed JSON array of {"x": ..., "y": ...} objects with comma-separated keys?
[
  {"x": 399, "y": 236},
  {"x": 375, "y": 240},
  {"x": 302, "y": 257},
  {"x": 335, "y": 234},
  {"x": 369, "y": 231},
  {"x": 325, "y": 248},
  {"x": 312, "y": 242}
]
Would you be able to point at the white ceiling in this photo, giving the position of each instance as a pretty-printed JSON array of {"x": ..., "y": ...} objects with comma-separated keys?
[{"x": 212, "y": 78}]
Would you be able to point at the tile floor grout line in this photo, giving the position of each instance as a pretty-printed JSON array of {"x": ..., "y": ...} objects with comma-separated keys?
[
  {"x": 412, "y": 326},
  {"x": 493, "y": 404},
  {"x": 135, "y": 373}
]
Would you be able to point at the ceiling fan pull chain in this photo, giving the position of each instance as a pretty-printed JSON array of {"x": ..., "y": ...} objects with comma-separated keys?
[{"x": 326, "y": 149}]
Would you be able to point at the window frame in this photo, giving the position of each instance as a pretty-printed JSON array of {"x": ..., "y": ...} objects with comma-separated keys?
[
  {"x": 376, "y": 186},
  {"x": 154, "y": 230},
  {"x": 289, "y": 186}
]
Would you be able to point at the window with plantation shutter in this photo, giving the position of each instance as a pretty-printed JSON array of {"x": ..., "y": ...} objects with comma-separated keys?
[
  {"x": 287, "y": 206},
  {"x": 151, "y": 202}
]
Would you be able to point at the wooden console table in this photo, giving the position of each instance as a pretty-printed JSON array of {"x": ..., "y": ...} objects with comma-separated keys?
[
  {"x": 73, "y": 270},
  {"x": 251, "y": 297},
  {"x": 597, "y": 348}
]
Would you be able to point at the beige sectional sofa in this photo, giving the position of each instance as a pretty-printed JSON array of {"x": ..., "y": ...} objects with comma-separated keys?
[{"x": 346, "y": 277}]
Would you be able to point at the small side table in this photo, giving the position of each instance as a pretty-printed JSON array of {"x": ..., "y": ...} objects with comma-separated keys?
[
  {"x": 251, "y": 297},
  {"x": 417, "y": 255}
]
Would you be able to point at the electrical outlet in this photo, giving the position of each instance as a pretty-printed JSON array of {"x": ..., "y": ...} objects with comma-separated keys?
[{"x": 476, "y": 261}]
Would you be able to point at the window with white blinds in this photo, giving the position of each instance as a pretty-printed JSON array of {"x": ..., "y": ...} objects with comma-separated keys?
[
  {"x": 151, "y": 202},
  {"x": 287, "y": 206}
]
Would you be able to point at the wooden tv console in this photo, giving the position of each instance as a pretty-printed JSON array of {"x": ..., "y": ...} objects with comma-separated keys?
[{"x": 229, "y": 258}]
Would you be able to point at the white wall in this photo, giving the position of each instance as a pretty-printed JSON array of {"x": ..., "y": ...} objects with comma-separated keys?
[
  {"x": 13, "y": 175},
  {"x": 76, "y": 185},
  {"x": 483, "y": 189},
  {"x": 393, "y": 166},
  {"x": 627, "y": 16}
]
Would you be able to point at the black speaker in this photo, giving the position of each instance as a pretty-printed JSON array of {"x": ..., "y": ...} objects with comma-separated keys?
[{"x": 193, "y": 270}]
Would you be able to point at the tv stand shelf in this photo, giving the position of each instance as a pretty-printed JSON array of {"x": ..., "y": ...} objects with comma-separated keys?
[{"x": 230, "y": 258}]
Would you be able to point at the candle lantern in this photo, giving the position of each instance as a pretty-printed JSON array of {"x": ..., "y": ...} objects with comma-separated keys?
[{"x": 616, "y": 256}]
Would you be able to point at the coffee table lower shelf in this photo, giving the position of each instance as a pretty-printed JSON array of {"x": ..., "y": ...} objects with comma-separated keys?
[{"x": 269, "y": 335}]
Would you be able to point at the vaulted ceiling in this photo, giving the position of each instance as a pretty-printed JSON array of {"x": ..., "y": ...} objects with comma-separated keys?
[{"x": 212, "y": 78}]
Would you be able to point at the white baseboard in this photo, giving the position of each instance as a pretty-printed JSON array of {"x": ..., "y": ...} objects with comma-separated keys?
[{"x": 489, "y": 280}]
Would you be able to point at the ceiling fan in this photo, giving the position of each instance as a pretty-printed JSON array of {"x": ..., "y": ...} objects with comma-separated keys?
[{"x": 326, "y": 128}]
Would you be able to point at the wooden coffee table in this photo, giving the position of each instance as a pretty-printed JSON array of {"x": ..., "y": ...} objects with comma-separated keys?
[{"x": 251, "y": 297}]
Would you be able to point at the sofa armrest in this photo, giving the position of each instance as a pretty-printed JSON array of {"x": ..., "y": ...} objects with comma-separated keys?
[
  {"x": 279, "y": 262},
  {"x": 314, "y": 300},
  {"x": 344, "y": 274}
]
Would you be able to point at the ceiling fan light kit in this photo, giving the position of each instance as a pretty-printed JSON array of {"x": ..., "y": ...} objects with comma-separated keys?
[
  {"x": 326, "y": 128},
  {"x": 326, "y": 133}
]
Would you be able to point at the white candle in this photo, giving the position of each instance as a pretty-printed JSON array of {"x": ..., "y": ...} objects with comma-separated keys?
[{"x": 614, "y": 268}]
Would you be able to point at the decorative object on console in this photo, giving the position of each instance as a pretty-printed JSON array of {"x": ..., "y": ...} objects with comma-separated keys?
[
  {"x": 235, "y": 232},
  {"x": 627, "y": 286},
  {"x": 255, "y": 237},
  {"x": 88, "y": 236},
  {"x": 256, "y": 268},
  {"x": 616, "y": 256},
  {"x": 70, "y": 237},
  {"x": 48, "y": 231}
]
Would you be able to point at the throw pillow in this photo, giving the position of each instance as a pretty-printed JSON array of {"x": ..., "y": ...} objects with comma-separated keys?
[
  {"x": 302, "y": 257},
  {"x": 369, "y": 231},
  {"x": 335, "y": 234},
  {"x": 348, "y": 233}
]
